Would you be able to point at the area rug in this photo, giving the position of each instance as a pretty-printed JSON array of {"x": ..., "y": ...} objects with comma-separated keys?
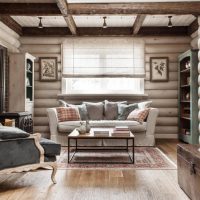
[{"x": 145, "y": 158}]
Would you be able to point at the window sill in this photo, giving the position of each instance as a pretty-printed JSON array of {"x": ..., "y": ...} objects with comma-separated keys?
[{"x": 85, "y": 97}]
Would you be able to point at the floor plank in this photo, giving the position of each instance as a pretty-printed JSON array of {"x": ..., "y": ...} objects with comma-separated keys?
[{"x": 96, "y": 184}]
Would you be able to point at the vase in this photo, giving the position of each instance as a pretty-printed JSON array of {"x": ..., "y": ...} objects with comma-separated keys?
[
  {"x": 87, "y": 127},
  {"x": 82, "y": 128}
]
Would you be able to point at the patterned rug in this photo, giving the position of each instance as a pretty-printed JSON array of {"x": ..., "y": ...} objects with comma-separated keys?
[{"x": 145, "y": 158}]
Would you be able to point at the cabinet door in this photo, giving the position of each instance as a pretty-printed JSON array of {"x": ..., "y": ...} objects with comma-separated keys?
[{"x": 29, "y": 107}]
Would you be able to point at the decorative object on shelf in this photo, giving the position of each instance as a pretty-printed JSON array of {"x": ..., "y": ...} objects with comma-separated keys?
[
  {"x": 187, "y": 96},
  {"x": 28, "y": 67},
  {"x": 170, "y": 22},
  {"x": 40, "y": 25},
  {"x": 159, "y": 71},
  {"x": 28, "y": 82},
  {"x": 48, "y": 69},
  {"x": 188, "y": 80},
  {"x": 187, "y": 64},
  {"x": 104, "y": 22}
]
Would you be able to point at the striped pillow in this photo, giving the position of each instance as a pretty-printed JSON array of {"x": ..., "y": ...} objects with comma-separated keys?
[
  {"x": 138, "y": 115},
  {"x": 67, "y": 114}
]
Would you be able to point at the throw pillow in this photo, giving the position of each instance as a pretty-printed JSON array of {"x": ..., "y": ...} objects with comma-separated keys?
[
  {"x": 111, "y": 109},
  {"x": 95, "y": 110},
  {"x": 67, "y": 114},
  {"x": 138, "y": 115},
  {"x": 144, "y": 104},
  {"x": 62, "y": 103},
  {"x": 124, "y": 110},
  {"x": 7, "y": 132},
  {"x": 82, "y": 111}
]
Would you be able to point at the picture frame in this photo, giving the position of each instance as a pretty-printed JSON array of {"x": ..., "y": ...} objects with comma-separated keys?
[
  {"x": 159, "y": 69},
  {"x": 48, "y": 69}
]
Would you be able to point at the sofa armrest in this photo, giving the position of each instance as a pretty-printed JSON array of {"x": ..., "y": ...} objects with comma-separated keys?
[
  {"x": 151, "y": 121},
  {"x": 20, "y": 151},
  {"x": 53, "y": 123}
]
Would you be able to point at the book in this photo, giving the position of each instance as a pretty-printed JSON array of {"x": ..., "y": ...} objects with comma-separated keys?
[
  {"x": 121, "y": 128},
  {"x": 101, "y": 133}
]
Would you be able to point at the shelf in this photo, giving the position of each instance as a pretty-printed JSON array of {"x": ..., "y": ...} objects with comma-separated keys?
[
  {"x": 185, "y": 86},
  {"x": 29, "y": 86},
  {"x": 185, "y": 101},
  {"x": 29, "y": 72},
  {"x": 185, "y": 70},
  {"x": 187, "y": 118}
]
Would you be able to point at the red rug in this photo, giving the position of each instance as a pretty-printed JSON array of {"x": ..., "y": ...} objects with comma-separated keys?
[{"x": 145, "y": 158}]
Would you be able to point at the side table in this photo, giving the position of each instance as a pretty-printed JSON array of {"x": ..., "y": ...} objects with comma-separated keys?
[{"x": 23, "y": 120}]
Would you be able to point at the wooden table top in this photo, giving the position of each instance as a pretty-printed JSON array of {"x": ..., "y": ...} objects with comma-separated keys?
[{"x": 76, "y": 134}]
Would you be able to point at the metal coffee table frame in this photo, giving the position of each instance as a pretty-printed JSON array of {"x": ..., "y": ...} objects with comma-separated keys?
[{"x": 78, "y": 148}]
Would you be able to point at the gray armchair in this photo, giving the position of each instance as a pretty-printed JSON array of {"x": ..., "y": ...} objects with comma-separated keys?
[{"x": 18, "y": 154}]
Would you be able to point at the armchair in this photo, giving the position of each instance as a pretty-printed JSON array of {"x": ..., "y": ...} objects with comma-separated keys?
[{"x": 30, "y": 153}]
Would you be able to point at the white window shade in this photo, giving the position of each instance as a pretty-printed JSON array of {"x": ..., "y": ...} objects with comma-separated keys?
[{"x": 103, "y": 57}]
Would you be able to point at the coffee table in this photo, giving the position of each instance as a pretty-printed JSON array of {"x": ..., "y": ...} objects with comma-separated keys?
[{"x": 75, "y": 135}]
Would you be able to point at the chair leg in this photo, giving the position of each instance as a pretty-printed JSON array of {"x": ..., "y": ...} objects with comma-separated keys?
[{"x": 54, "y": 166}]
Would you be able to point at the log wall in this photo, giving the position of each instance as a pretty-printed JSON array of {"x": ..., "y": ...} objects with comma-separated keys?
[{"x": 163, "y": 95}]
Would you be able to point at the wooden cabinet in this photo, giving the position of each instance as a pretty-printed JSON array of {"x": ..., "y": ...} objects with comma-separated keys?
[
  {"x": 188, "y": 97},
  {"x": 21, "y": 82}
]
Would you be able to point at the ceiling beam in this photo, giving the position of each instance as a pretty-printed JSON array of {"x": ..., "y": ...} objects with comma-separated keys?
[
  {"x": 46, "y": 31},
  {"x": 138, "y": 23},
  {"x": 29, "y": 9},
  {"x": 63, "y": 6},
  {"x": 155, "y": 8},
  {"x": 11, "y": 23},
  {"x": 193, "y": 27},
  {"x": 111, "y": 31}
]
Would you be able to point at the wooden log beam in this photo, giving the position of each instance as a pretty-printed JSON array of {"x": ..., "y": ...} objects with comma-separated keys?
[
  {"x": 29, "y": 9},
  {"x": 11, "y": 23},
  {"x": 193, "y": 27},
  {"x": 46, "y": 31},
  {"x": 63, "y": 6},
  {"x": 138, "y": 23},
  {"x": 155, "y": 8},
  {"x": 110, "y": 31}
]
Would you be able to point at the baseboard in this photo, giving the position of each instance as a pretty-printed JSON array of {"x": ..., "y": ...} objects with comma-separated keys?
[{"x": 167, "y": 136}]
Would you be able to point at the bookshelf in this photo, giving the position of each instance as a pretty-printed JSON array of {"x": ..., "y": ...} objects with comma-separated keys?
[{"x": 188, "y": 97}]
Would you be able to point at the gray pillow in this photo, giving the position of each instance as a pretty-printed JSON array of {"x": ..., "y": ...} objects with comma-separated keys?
[
  {"x": 95, "y": 110},
  {"x": 124, "y": 110},
  {"x": 83, "y": 111},
  {"x": 111, "y": 109},
  {"x": 7, "y": 132}
]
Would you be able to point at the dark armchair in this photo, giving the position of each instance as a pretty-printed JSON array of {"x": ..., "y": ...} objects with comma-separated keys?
[{"x": 24, "y": 152}]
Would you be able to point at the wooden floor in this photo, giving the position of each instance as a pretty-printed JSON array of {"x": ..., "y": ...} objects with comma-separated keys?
[{"x": 107, "y": 184}]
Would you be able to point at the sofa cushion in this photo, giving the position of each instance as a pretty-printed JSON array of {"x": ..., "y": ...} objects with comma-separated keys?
[
  {"x": 67, "y": 114},
  {"x": 68, "y": 126},
  {"x": 62, "y": 103},
  {"x": 50, "y": 147},
  {"x": 144, "y": 104},
  {"x": 95, "y": 110},
  {"x": 133, "y": 125},
  {"x": 111, "y": 109},
  {"x": 124, "y": 110},
  {"x": 7, "y": 132},
  {"x": 138, "y": 115},
  {"x": 82, "y": 111}
]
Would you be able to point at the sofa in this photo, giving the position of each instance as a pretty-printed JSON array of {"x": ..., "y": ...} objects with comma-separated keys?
[
  {"x": 21, "y": 151},
  {"x": 144, "y": 131}
]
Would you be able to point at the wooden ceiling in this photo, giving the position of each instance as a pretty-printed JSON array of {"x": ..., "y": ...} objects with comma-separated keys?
[{"x": 67, "y": 18}]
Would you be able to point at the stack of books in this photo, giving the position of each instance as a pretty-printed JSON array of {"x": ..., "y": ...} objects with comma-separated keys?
[
  {"x": 101, "y": 132},
  {"x": 121, "y": 131}
]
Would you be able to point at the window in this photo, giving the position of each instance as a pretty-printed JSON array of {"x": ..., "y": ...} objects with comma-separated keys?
[{"x": 103, "y": 66}]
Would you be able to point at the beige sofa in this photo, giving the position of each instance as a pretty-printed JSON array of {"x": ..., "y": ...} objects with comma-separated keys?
[{"x": 144, "y": 132}]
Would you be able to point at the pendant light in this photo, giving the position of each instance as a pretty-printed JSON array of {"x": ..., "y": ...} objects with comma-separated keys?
[
  {"x": 170, "y": 22},
  {"x": 104, "y": 22},
  {"x": 40, "y": 23}
]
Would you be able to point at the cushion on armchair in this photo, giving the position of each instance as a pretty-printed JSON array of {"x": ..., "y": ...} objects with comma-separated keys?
[{"x": 7, "y": 132}]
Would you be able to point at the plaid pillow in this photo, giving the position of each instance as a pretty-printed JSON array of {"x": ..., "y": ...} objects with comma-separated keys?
[
  {"x": 67, "y": 114},
  {"x": 138, "y": 115}
]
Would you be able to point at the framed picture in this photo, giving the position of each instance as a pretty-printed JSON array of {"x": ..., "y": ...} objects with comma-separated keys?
[
  {"x": 48, "y": 69},
  {"x": 159, "y": 71}
]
